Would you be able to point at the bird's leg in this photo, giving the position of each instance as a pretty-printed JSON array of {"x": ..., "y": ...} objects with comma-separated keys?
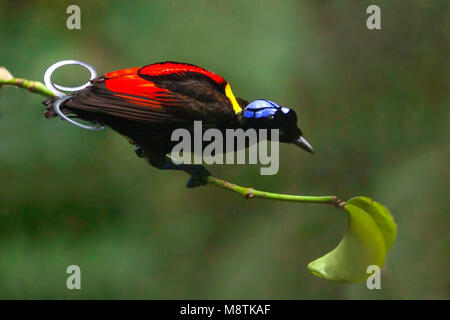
[
  {"x": 197, "y": 172},
  {"x": 140, "y": 152}
]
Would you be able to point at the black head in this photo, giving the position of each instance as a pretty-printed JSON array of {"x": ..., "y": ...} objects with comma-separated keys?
[{"x": 269, "y": 115}]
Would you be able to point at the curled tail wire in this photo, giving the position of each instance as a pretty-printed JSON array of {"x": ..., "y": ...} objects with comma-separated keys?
[{"x": 54, "y": 104}]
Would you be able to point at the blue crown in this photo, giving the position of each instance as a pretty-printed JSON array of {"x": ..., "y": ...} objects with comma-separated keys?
[{"x": 262, "y": 109}]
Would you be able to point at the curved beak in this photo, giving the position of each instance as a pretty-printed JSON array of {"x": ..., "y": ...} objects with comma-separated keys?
[{"x": 304, "y": 144}]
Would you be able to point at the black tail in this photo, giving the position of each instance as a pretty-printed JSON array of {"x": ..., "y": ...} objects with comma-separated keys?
[{"x": 49, "y": 112}]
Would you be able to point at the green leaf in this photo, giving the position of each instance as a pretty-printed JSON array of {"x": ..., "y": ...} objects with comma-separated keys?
[{"x": 370, "y": 234}]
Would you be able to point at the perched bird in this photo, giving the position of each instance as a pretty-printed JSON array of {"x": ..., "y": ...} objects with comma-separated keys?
[{"x": 147, "y": 103}]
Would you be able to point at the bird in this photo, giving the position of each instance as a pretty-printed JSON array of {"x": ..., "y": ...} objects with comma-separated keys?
[{"x": 146, "y": 104}]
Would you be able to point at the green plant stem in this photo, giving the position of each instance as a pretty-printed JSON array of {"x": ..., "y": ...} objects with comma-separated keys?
[
  {"x": 250, "y": 193},
  {"x": 246, "y": 192},
  {"x": 32, "y": 86}
]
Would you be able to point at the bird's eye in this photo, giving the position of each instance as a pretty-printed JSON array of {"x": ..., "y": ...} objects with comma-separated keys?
[{"x": 270, "y": 117}]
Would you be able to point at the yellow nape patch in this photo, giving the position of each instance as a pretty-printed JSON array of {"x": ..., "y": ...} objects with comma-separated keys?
[{"x": 236, "y": 107}]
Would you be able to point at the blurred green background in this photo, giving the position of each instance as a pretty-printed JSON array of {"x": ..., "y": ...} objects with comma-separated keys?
[{"x": 374, "y": 104}]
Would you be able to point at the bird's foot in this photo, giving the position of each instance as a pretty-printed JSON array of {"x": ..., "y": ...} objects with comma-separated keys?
[
  {"x": 198, "y": 177},
  {"x": 140, "y": 152},
  {"x": 198, "y": 173}
]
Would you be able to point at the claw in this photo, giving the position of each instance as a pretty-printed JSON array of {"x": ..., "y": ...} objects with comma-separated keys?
[
  {"x": 196, "y": 181},
  {"x": 198, "y": 172},
  {"x": 198, "y": 177},
  {"x": 140, "y": 152}
]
